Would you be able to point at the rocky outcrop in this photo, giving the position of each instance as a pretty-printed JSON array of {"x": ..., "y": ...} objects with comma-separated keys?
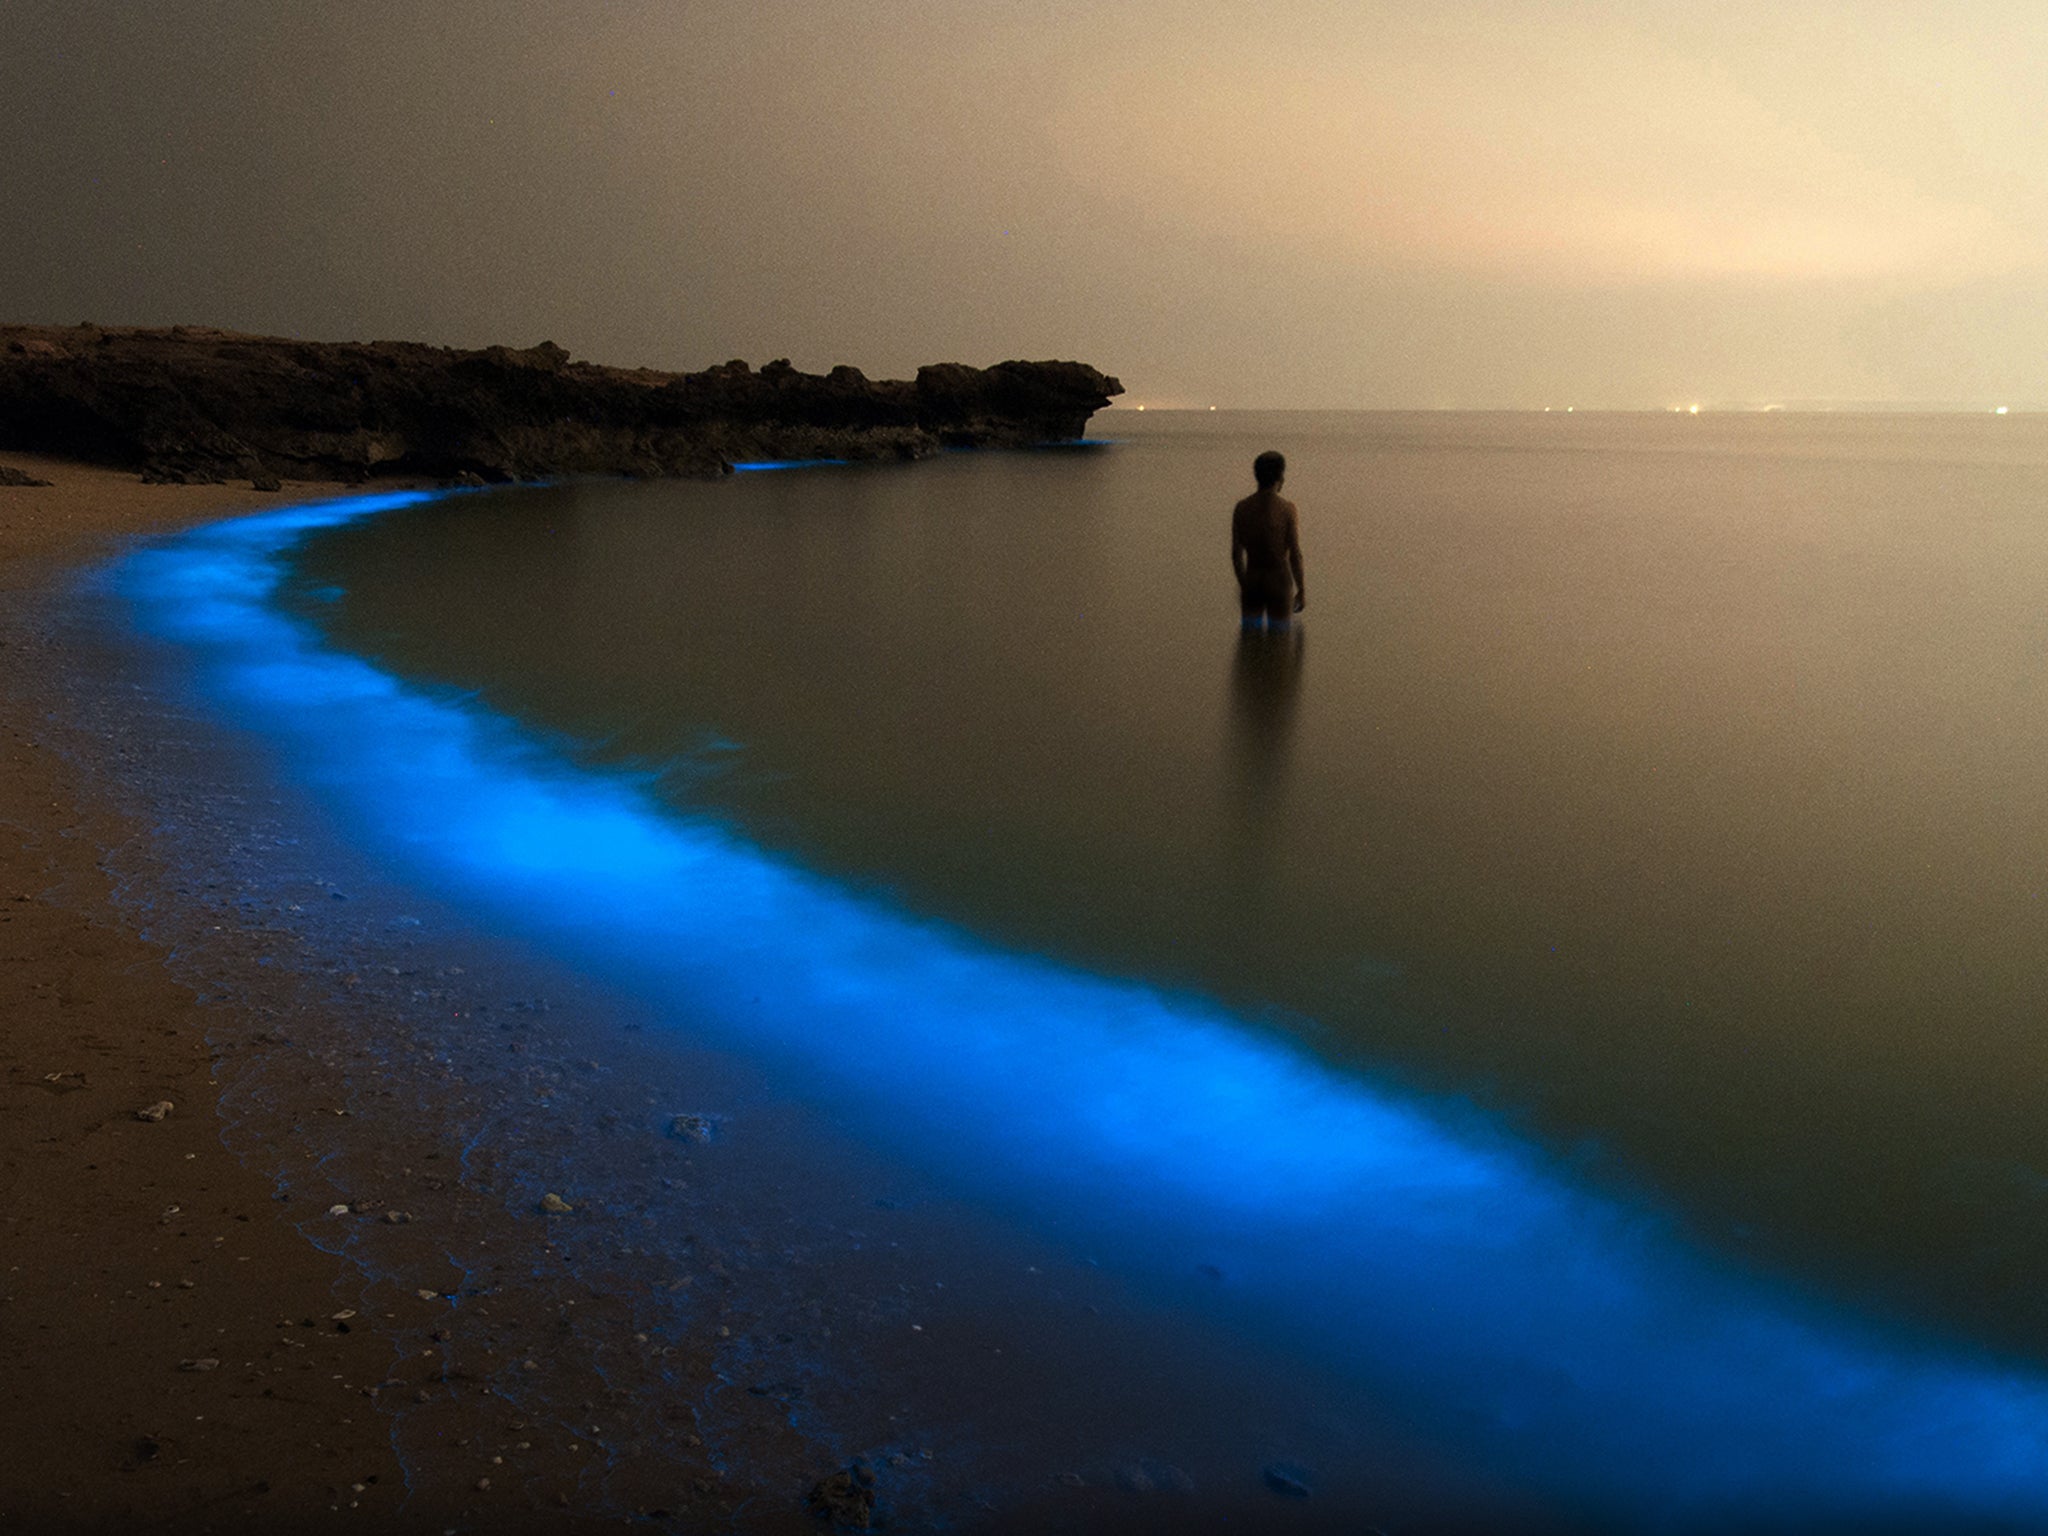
[{"x": 187, "y": 404}]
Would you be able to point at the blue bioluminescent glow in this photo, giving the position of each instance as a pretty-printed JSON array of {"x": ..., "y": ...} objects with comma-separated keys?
[
  {"x": 1567, "y": 1340},
  {"x": 752, "y": 465}
]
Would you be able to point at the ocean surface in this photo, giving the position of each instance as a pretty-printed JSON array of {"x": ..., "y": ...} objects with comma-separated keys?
[{"x": 1583, "y": 988}]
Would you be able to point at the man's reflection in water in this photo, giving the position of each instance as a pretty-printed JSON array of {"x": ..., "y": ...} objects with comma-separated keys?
[{"x": 1265, "y": 690}]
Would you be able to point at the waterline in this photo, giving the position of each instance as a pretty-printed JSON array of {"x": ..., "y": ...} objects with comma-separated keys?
[{"x": 1553, "y": 1334}]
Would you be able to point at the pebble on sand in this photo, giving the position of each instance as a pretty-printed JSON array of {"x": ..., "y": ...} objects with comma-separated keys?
[
  {"x": 155, "y": 1112},
  {"x": 555, "y": 1205}
]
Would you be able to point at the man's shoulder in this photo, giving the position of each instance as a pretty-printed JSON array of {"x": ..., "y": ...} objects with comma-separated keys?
[{"x": 1262, "y": 500}]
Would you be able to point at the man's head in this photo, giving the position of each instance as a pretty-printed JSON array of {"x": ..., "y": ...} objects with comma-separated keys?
[{"x": 1269, "y": 469}]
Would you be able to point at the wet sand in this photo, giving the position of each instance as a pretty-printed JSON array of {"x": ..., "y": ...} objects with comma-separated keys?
[{"x": 175, "y": 1351}]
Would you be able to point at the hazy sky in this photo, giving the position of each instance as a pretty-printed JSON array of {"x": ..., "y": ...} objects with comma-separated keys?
[{"x": 1299, "y": 202}]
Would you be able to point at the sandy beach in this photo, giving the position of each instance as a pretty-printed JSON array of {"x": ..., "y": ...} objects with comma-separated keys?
[
  {"x": 175, "y": 1351},
  {"x": 147, "y": 1269}
]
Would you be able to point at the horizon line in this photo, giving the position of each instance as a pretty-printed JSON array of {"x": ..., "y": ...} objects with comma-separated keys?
[{"x": 1701, "y": 408}]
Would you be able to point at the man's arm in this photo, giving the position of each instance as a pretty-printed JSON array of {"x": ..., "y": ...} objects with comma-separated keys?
[{"x": 1294, "y": 560}]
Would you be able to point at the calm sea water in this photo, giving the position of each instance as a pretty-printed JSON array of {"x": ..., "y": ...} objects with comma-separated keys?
[
  {"x": 1670, "y": 787},
  {"x": 1657, "y": 799}
]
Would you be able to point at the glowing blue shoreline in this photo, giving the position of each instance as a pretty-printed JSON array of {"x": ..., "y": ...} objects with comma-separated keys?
[{"x": 1562, "y": 1340}]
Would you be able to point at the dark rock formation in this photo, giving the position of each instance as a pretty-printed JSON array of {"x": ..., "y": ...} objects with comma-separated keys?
[
  {"x": 969, "y": 406},
  {"x": 9, "y": 475},
  {"x": 189, "y": 404}
]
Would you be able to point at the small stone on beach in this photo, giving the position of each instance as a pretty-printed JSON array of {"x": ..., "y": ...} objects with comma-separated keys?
[
  {"x": 155, "y": 1112},
  {"x": 690, "y": 1128},
  {"x": 198, "y": 1365},
  {"x": 555, "y": 1205}
]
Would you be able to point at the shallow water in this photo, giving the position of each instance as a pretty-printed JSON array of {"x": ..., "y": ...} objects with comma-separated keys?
[
  {"x": 1668, "y": 788},
  {"x": 1579, "y": 986}
]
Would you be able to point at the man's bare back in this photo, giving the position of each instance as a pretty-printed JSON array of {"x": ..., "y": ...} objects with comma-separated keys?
[{"x": 1265, "y": 548}]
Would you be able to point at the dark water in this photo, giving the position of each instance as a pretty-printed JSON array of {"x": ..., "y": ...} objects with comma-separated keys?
[
  {"x": 1554, "y": 1033},
  {"x": 1670, "y": 788}
]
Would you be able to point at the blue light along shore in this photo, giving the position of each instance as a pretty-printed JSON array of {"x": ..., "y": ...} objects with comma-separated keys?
[{"x": 1569, "y": 1345}]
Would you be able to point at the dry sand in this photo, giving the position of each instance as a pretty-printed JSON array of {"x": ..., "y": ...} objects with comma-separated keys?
[{"x": 170, "y": 1351}]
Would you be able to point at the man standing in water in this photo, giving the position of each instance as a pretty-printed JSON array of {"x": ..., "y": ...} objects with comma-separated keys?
[{"x": 1265, "y": 550}]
